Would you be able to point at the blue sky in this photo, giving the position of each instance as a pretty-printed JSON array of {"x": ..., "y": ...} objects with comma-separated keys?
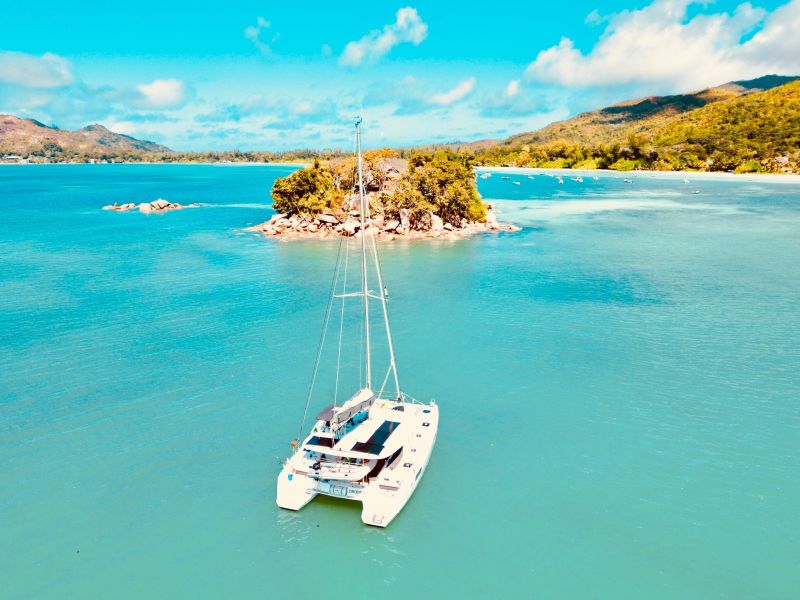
[{"x": 267, "y": 75}]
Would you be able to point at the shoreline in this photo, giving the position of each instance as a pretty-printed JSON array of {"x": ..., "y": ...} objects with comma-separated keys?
[
  {"x": 771, "y": 177},
  {"x": 199, "y": 164},
  {"x": 326, "y": 225}
]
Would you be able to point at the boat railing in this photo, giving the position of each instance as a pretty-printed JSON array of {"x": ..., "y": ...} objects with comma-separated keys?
[{"x": 403, "y": 397}]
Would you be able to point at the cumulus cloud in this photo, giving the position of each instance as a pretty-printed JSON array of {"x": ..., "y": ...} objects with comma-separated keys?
[
  {"x": 272, "y": 112},
  {"x": 777, "y": 46},
  {"x": 661, "y": 46},
  {"x": 161, "y": 94},
  {"x": 45, "y": 71},
  {"x": 253, "y": 33},
  {"x": 407, "y": 28},
  {"x": 515, "y": 100},
  {"x": 123, "y": 127},
  {"x": 512, "y": 89},
  {"x": 459, "y": 92}
]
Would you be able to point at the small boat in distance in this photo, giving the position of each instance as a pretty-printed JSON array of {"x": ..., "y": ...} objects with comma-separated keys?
[
  {"x": 505, "y": 177},
  {"x": 516, "y": 182},
  {"x": 485, "y": 175},
  {"x": 374, "y": 446},
  {"x": 579, "y": 179},
  {"x": 560, "y": 180},
  {"x": 626, "y": 180}
]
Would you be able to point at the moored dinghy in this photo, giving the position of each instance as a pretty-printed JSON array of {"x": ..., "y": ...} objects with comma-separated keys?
[{"x": 374, "y": 447}]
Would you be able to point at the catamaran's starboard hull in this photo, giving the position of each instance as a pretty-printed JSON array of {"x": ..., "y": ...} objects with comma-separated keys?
[{"x": 384, "y": 495}]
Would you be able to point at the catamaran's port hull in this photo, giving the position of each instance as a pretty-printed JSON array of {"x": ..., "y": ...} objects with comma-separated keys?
[{"x": 294, "y": 491}]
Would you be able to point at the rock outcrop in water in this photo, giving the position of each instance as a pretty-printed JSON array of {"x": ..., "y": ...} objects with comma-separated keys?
[
  {"x": 428, "y": 196},
  {"x": 120, "y": 207},
  {"x": 156, "y": 206},
  {"x": 348, "y": 224}
]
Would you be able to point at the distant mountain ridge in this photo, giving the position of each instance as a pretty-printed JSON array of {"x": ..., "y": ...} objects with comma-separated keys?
[
  {"x": 745, "y": 126},
  {"x": 31, "y": 137},
  {"x": 634, "y": 117},
  {"x": 742, "y": 126}
]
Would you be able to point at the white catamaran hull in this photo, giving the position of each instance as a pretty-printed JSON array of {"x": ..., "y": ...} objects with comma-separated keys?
[{"x": 386, "y": 493}]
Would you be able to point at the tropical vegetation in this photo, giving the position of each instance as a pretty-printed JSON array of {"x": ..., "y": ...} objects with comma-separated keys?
[
  {"x": 441, "y": 183},
  {"x": 308, "y": 191},
  {"x": 753, "y": 132}
]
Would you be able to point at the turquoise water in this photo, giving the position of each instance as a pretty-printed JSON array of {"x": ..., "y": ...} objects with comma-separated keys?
[{"x": 618, "y": 386}]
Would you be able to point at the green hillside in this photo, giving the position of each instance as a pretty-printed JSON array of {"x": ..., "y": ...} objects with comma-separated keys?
[
  {"x": 751, "y": 133},
  {"x": 744, "y": 125}
]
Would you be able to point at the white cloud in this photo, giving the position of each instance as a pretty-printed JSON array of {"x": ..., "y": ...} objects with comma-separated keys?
[
  {"x": 659, "y": 45},
  {"x": 516, "y": 100},
  {"x": 512, "y": 89},
  {"x": 123, "y": 127},
  {"x": 461, "y": 91},
  {"x": 162, "y": 93},
  {"x": 777, "y": 46},
  {"x": 408, "y": 27},
  {"x": 594, "y": 18},
  {"x": 253, "y": 33},
  {"x": 45, "y": 71}
]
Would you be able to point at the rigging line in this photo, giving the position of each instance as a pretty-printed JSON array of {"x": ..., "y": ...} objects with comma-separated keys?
[
  {"x": 346, "y": 242},
  {"x": 361, "y": 357},
  {"x": 321, "y": 343},
  {"x": 384, "y": 306},
  {"x": 385, "y": 381},
  {"x": 392, "y": 361}
]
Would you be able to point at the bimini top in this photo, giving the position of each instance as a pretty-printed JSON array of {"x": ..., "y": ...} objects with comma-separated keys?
[{"x": 336, "y": 415}]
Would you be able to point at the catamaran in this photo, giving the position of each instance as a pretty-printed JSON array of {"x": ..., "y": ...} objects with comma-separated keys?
[{"x": 375, "y": 446}]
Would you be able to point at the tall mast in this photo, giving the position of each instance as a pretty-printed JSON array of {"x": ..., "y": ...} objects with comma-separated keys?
[{"x": 364, "y": 286}]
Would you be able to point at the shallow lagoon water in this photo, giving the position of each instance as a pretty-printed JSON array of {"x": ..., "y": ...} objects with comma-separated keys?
[{"x": 618, "y": 386}]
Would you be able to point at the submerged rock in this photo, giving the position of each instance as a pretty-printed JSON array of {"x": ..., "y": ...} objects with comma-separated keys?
[
  {"x": 120, "y": 207},
  {"x": 159, "y": 205}
]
